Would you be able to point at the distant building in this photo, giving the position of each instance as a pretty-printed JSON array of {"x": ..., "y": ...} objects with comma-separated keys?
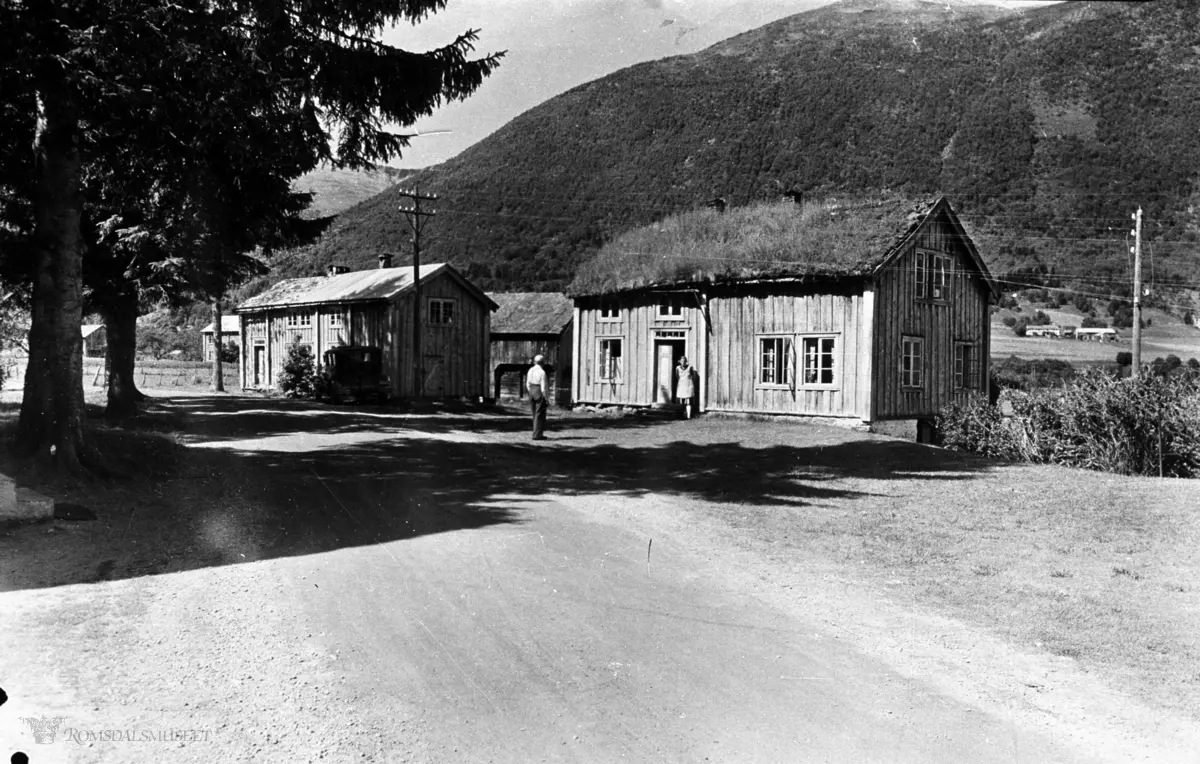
[
  {"x": 95, "y": 341},
  {"x": 1045, "y": 330},
  {"x": 525, "y": 325},
  {"x": 1098, "y": 334},
  {"x": 374, "y": 308},
  {"x": 230, "y": 329}
]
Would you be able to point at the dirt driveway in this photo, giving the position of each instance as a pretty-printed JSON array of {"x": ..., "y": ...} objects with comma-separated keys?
[{"x": 312, "y": 583}]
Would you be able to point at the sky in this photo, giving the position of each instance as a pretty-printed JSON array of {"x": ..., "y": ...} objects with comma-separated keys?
[{"x": 555, "y": 45}]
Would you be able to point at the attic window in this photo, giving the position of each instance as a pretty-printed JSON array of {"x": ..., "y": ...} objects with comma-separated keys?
[
  {"x": 931, "y": 275},
  {"x": 441, "y": 312},
  {"x": 609, "y": 310},
  {"x": 671, "y": 309}
]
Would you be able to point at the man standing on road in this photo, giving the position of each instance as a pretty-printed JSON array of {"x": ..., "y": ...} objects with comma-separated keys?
[{"x": 535, "y": 382}]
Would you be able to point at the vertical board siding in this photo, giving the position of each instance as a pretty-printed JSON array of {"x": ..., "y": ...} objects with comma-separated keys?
[
  {"x": 963, "y": 317},
  {"x": 741, "y": 320},
  {"x": 636, "y": 328},
  {"x": 460, "y": 349}
]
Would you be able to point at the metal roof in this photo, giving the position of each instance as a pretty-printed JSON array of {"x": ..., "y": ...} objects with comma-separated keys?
[
  {"x": 531, "y": 312},
  {"x": 229, "y": 325},
  {"x": 378, "y": 284}
]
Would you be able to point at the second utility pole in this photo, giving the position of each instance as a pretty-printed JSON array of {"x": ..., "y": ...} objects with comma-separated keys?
[
  {"x": 1136, "y": 371},
  {"x": 416, "y": 221}
]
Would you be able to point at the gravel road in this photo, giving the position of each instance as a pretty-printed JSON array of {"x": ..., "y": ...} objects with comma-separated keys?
[{"x": 374, "y": 587}]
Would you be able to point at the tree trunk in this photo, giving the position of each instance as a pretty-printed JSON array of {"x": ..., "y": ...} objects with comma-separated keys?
[
  {"x": 218, "y": 375},
  {"x": 120, "y": 324},
  {"x": 52, "y": 409}
]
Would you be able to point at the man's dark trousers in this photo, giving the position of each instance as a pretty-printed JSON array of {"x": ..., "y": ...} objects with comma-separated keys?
[{"x": 538, "y": 405}]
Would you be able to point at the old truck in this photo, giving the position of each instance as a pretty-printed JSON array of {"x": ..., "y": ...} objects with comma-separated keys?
[{"x": 353, "y": 373}]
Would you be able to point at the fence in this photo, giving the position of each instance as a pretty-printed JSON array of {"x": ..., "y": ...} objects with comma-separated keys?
[{"x": 147, "y": 374}]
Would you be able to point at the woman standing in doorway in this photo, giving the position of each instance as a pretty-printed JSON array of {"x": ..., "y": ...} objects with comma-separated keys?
[{"x": 685, "y": 388}]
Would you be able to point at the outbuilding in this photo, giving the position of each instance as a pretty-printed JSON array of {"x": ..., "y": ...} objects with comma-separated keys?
[
  {"x": 230, "y": 332},
  {"x": 871, "y": 312},
  {"x": 529, "y": 324},
  {"x": 374, "y": 308}
]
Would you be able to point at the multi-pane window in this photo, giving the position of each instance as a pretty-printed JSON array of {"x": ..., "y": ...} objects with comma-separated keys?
[
  {"x": 912, "y": 354},
  {"x": 441, "y": 312},
  {"x": 299, "y": 319},
  {"x": 609, "y": 360},
  {"x": 931, "y": 273},
  {"x": 671, "y": 308},
  {"x": 335, "y": 320},
  {"x": 818, "y": 360},
  {"x": 609, "y": 310},
  {"x": 773, "y": 356},
  {"x": 966, "y": 366}
]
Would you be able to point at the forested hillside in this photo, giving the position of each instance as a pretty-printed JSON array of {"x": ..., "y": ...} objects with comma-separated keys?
[{"x": 1046, "y": 129}]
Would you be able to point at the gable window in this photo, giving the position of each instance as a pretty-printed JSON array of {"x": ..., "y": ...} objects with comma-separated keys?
[
  {"x": 609, "y": 360},
  {"x": 912, "y": 356},
  {"x": 609, "y": 310},
  {"x": 966, "y": 366},
  {"x": 774, "y": 354},
  {"x": 818, "y": 360},
  {"x": 931, "y": 275},
  {"x": 671, "y": 309},
  {"x": 441, "y": 312}
]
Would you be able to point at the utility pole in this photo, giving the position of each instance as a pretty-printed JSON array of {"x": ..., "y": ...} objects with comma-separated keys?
[
  {"x": 416, "y": 218},
  {"x": 1136, "y": 371}
]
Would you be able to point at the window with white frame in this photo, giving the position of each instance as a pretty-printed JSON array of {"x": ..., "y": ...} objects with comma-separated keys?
[
  {"x": 931, "y": 274},
  {"x": 610, "y": 310},
  {"x": 774, "y": 357},
  {"x": 335, "y": 320},
  {"x": 966, "y": 366},
  {"x": 299, "y": 319},
  {"x": 441, "y": 312},
  {"x": 912, "y": 357},
  {"x": 671, "y": 308},
  {"x": 818, "y": 360},
  {"x": 609, "y": 363}
]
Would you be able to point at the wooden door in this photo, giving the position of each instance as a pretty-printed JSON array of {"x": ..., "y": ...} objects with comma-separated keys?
[
  {"x": 260, "y": 364},
  {"x": 663, "y": 372}
]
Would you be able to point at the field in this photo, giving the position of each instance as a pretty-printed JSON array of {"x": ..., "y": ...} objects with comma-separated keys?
[{"x": 1165, "y": 336}]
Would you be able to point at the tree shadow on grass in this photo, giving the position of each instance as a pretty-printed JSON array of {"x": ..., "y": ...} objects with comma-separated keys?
[{"x": 234, "y": 497}]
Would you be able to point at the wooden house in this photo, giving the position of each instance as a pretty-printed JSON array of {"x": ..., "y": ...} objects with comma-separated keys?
[
  {"x": 374, "y": 308},
  {"x": 230, "y": 332},
  {"x": 864, "y": 312},
  {"x": 95, "y": 340},
  {"x": 529, "y": 324}
]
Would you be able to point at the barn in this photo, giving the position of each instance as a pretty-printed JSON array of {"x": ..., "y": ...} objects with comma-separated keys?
[
  {"x": 374, "y": 308},
  {"x": 95, "y": 340},
  {"x": 865, "y": 311},
  {"x": 525, "y": 325}
]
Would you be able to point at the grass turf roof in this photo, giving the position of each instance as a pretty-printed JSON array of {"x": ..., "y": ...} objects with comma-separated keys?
[{"x": 765, "y": 240}]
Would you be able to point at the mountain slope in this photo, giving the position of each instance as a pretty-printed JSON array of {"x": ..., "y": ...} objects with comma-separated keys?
[{"x": 1045, "y": 128}]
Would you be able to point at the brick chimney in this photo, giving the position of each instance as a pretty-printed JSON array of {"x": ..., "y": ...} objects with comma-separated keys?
[{"x": 385, "y": 261}]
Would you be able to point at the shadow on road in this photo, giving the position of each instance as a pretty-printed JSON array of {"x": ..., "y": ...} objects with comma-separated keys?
[{"x": 269, "y": 478}]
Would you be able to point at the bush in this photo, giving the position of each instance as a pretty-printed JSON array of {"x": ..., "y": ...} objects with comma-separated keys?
[
  {"x": 1124, "y": 358},
  {"x": 1040, "y": 319},
  {"x": 297, "y": 378},
  {"x": 1020, "y": 326},
  {"x": 1010, "y": 321},
  {"x": 1147, "y": 426},
  {"x": 1016, "y": 373},
  {"x": 1091, "y": 322},
  {"x": 1083, "y": 304},
  {"x": 1188, "y": 318},
  {"x": 230, "y": 352}
]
